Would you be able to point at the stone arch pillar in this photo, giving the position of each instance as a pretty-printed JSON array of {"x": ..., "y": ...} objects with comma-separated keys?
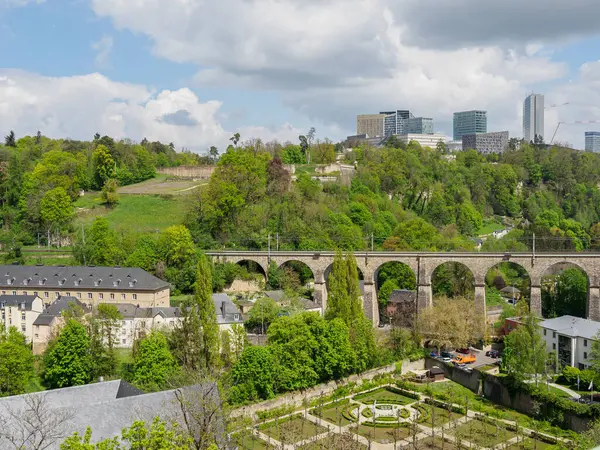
[
  {"x": 320, "y": 292},
  {"x": 593, "y": 300},
  {"x": 424, "y": 291},
  {"x": 370, "y": 302}
]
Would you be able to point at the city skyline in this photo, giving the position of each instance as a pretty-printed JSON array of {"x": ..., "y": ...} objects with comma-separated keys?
[{"x": 166, "y": 70}]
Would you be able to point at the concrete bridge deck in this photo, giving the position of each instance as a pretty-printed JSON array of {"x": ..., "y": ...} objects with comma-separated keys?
[{"x": 423, "y": 264}]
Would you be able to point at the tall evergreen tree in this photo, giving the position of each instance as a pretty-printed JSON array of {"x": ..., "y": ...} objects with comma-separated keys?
[
  {"x": 187, "y": 339},
  {"x": 339, "y": 304},
  {"x": 208, "y": 317},
  {"x": 67, "y": 361},
  {"x": 353, "y": 288},
  {"x": 10, "y": 140}
]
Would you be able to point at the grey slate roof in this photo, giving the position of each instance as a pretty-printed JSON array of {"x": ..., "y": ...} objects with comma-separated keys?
[
  {"x": 106, "y": 407},
  {"x": 572, "y": 326},
  {"x": 78, "y": 277},
  {"x": 275, "y": 295},
  {"x": 17, "y": 300},
  {"x": 56, "y": 308},
  {"x": 130, "y": 311},
  {"x": 402, "y": 295},
  {"x": 226, "y": 309}
]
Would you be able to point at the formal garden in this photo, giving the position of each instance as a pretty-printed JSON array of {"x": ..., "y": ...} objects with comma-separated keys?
[{"x": 398, "y": 414}]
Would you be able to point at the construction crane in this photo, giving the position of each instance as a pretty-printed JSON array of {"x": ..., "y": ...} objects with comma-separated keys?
[
  {"x": 571, "y": 123},
  {"x": 556, "y": 106}
]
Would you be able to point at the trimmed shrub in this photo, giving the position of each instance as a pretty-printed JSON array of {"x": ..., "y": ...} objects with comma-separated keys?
[{"x": 275, "y": 412}]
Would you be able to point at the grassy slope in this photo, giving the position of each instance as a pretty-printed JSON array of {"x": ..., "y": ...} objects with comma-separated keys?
[{"x": 140, "y": 213}]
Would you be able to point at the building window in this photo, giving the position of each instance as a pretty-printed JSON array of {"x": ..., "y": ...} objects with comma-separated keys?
[
  {"x": 584, "y": 355},
  {"x": 79, "y": 295},
  {"x": 544, "y": 332},
  {"x": 112, "y": 296},
  {"x": 24, "y": 292},
  {"x": 122, "y": 296},
  {"x": 124, "y": 341},
  {"x": 35, "y": 293},
  {"x": 553, "y": 346},
  {"x": 90, "y": 295},
  {"x": 3, "y": 292},
  {"x": 585, "y": 342},
  {"x": 100, "y": 295},
  {"x": 23, "y": 328},
  {"x": 23, "y": 316},
  {"x": 553, "y": 334},
  {"x": 57, "y": 294},
  {"x": 14, "y": 292},
  {"x": 37, "y": 335},
  {"x": 46, "y": 294},
  {"x": 134, "y": 296}
]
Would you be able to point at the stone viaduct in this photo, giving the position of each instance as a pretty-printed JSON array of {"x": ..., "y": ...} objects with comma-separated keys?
[{"x": 423, "y": 265}]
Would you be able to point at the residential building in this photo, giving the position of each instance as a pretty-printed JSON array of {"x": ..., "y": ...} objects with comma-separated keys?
[
  {"x": 20, "y": 311},
  {"x": 533, "y": 117},
  {"x": 469, "y": 122},
  {"x": 592, "y": 141},
  {"x": 425, "y": 140},
  {"x": 494, "y": 142},
  {"x": 138, "y": 321},
  {"x": 370, "y": 124},
  {"x": 91, "y": 285},
  {"x": 571, "y": 339},
  {"x": 51, "y": 320},
  {"x": 107, "y": 407}
]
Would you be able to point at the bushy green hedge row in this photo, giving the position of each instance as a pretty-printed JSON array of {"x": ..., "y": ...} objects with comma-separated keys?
[
  {"x": 275, "y": 412},
  {"x": 444, "y": 405},
  {"x": 321, "y": 409},
  {"x": 348, "y": 413}
]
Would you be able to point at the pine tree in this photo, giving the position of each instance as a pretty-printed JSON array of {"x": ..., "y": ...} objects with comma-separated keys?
[
  {"x": 353, "y": 288},
  {"x": 208, "y": 317},
  {"x": 187, "y": 340},
  {"x": 10, "y": 140}
]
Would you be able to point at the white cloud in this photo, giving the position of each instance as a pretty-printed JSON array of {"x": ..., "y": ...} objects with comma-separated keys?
[
  {"x": 78, "y": 107},
  {"x": 103, "y": 48},
  {"x": 17, "y": 3},
  {"x": 333, "y": 59}
]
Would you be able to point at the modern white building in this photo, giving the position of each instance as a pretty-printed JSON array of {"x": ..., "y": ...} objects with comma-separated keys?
[
  {"x": 426, "y": 140},
  {"x": 571, "y": 339},
  {"x": 533, "y": 117}
]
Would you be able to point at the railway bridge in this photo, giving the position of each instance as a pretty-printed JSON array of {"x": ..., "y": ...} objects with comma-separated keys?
[{"x": 423, "y": 264}]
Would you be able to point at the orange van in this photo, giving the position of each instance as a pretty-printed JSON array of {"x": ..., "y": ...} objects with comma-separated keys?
[{"x": 464, "y": 359}]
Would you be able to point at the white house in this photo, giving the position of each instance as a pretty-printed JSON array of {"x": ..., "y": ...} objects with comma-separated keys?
[
  {"x": 571, "y": 338},
  {"x": 20, "y": 311}
]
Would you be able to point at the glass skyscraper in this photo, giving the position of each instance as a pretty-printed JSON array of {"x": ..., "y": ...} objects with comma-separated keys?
[
  {"x": 592, "y": 141},
  {"x": 469, "y": 122},
  {"x": 533, "y": 117},
  {"x": 403, "y": 121}
]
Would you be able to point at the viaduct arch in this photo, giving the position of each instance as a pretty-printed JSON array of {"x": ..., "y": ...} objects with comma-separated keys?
[{"x": 423, "y": 265}]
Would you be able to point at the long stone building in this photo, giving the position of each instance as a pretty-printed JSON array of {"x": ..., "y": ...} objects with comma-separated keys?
[
  {"x": 424, "y": 264},
  {"x": 89, "y": 284}
]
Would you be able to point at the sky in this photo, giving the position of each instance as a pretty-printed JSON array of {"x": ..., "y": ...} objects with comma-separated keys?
[{"x": 194, "y": 72}]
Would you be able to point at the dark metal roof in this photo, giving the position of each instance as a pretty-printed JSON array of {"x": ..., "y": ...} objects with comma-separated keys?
[
  {"x": 63, "y": 303},
  {"x": 17, "y": 300},
  {"x": 79, "y": 277},
  {"x": 44, "y": 319}
]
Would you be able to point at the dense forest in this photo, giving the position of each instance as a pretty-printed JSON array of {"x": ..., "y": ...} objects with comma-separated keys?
[{"x": 402, "y": 197}]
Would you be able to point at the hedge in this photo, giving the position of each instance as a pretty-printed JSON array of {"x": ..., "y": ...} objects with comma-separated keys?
[
  {"x": 444, "y": 405},
  {"x": 319, "y": 411},
  {"x": 424, "y": 414},
  {"x": 348, "y": 414},
  {"x": 275, "y": 412}
]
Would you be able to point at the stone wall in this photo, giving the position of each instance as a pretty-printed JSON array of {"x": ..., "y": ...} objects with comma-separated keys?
[
  {"x": 190, "y": 172},
  {"x": 297, "y": 399}
]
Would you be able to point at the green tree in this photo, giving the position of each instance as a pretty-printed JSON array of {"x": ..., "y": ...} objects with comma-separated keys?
[
  {"x": 338, "y": 296},
  {"x": 187, "y": 340},
  {"x": 525, "y": 353},
  {"x": 10, "y": 140},
  {"x": 98, "y": 245},
  {"x": 104, "y": 166},
  {"x": 56, "y": 209},
  {"x": 208, "y": 315},
  {"x": 176, "y": 246},
  {"x": 253, "y": 376},
  {"x": 565, "y": 294},
  {"x": 16, "y": 363},
  {"x": 102, "y": 329},
  {"x": 264, "y": 311},
  {"x": 154, "y": 364},
  {"x": 109, "y": 194},
  {"x": 67, "y": 360}
]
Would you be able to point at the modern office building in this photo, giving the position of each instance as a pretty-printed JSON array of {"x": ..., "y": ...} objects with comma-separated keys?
[
  {"x": 592, "y": 141},
  {"x": 370, "y": 124},
  {"x": 495, "y": 142},
  {"x": 418, "y": 125},
  {"x": 533, "y": 117},
  {"x": 469, "y": 122},
  {"x": 425, "y": 140}
]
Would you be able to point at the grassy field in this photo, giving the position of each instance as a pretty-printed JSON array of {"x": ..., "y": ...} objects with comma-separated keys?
[
  {"x": 383, "y": 435},
  {"x": 333, "y": 413},
  {"x": 161, "y": 184},
  {"x": 336, "y": 441},
  {"x": 383, "y": 395},
  {"x": 438, "y": 416},
  {"x": 292, "y": 429},
  {"x": 489, "y": 226},
  {"x": 138, "y": 213},
  {"x": 531, "y": 444},
  {"x": 482, "y": 433},
  {"x": 251, "y": 442}
]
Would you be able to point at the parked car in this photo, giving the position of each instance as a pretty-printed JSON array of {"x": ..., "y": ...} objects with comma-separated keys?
[
  {"x": 492, "y": 353},
  {"x": 464, "y": 351},
  {"x": 446, "y": 359},
  {"x": 446, "y": 355},
  {"x": 464, "y": 359},
  {"x": 434, "y": 354}
]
